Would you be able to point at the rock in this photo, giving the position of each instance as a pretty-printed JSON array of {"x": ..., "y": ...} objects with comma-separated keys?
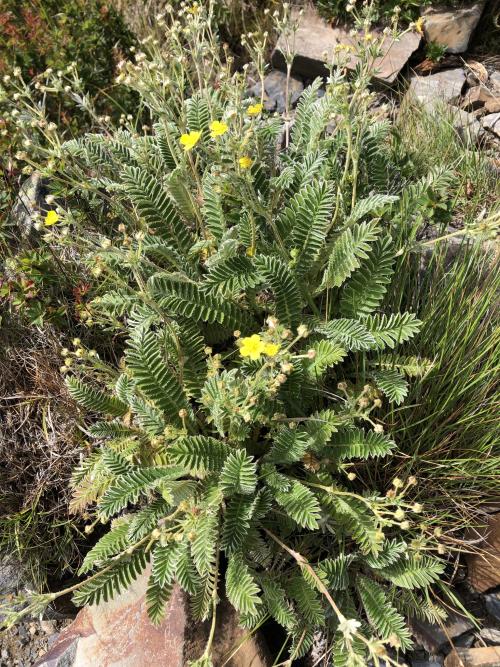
[
  {"x": 10, "y": 577},
  {"x": 445, "y": 86},
  {"x": 119, "y": 633},
  {"x": 275, "y": 85},
  {"x": 483, "y": 567},
  {"x": 472, "y": 79},
  {"x": 465, "y": 641},
  {"x": 315, "y": 36},
  {"x": 48, "y": 627},
  {"x": 492, "y": 123},
  {"x": 488, "y": 656},
  {"x": 492, "y": 602},
  {"x": 491, "y": 636},
  {"x": 467, "y": 126},
  {"x": 495, "y": 81},
  {"x": 433, "y": 637},
  {"x": 480, "y": 97},
  {"x": 432, "y": 662},
  {"x": 62, "y": 654},
  {"x": 30, "y": 200},
  {"x": 452, "y": 27},
  {"x": 275, "y": 91}
]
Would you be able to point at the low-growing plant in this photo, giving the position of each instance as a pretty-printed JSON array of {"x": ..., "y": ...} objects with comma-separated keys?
[{"x": 243, "y": 261}]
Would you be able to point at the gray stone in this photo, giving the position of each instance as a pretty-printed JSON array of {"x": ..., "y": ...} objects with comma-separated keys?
[
  {"x": 467, "y": 126},
  {"x": 431, "y": 662},
  {"x": 492, "y": 602},
  {"x": 30, "y": 200},
  {"x": 445, "y": 86},
  {"x": 492, "y": 123},
  {"x": 435, "y": 638},
  {"x": 491, "y": 636},
  {"x": 315, "y": 37},
  {"x": 495, "y": 81},
  {"x": 275, "y": 91},
  {"x": 10, "y": 577},
  {"x": 452, "y": 27},
  {"x": 275, "y": 86}
]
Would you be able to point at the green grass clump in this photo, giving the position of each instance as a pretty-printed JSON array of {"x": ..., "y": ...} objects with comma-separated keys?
[{"x": 449, "y": 427}]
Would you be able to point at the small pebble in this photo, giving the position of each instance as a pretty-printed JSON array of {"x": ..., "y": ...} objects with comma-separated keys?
[{"x": 48, "y": 627}]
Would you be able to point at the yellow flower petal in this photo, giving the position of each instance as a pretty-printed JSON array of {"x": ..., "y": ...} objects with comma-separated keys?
[
  {"x": 51, "y": 218},
  {"x": 271, "y": 349},
  {"x": 189, "y": 141},
  {"x": 218, "y": 128},
  {"x": 245, "y": 162},
  {"x": 255, "y": 109},
  {"x": 252, "y": 347}
]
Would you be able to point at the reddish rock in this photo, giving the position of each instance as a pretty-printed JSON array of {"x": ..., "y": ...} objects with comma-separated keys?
[
  {"x": 119, "y": 633},
  {"x": 487, "y": 656},
  {"x": 315, "y": 36},
  {"x": 484, "y": 566}
]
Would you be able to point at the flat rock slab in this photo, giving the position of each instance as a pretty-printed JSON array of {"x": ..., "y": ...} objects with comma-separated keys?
[
  {"x": 119, "y": 633},
  {"x": 315, "y": 37},
  {"x": 484, "y": 567},
  {"x": 492, "y": 123},
  {"x": 452, "y": 27},
  {"x": 445, "y": 86},
  {"x": 488, "y": 656}
]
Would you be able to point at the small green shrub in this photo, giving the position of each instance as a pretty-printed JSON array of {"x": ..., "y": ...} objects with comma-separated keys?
[{"x": 244, "y": 264}]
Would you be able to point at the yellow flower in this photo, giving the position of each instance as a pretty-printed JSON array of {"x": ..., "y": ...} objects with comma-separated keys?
[
  {"x": 250, "y": 251},
  {"x": 245, "y": 162},
  {"x": 252, "y": 347},
  {"x": 218, "y": 128},
  {"x": 51, "y": 218},
  {"x": 189, "y": 141},
  {"x": 419, "y": 25},
  {"x": 254, "y": 109},
  {"x": 271, "y": 349}
]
